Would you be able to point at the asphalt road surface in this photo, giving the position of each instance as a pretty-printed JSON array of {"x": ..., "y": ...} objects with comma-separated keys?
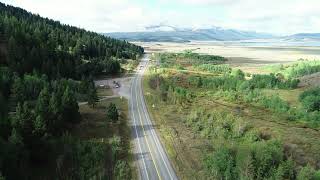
[{"x": 152, "y": 160}]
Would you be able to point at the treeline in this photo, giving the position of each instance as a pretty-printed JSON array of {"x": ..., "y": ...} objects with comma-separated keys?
[
  {"x": 236, "y": 81},
  {"x": 49, "y": 47}
]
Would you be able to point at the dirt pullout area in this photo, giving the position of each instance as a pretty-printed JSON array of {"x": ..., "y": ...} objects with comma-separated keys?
[
  {"x": 312, "y": 80},
  {"x": 119, "y": 86}
]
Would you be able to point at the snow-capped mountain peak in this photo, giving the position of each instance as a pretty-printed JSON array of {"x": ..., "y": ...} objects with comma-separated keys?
[{"x": 156, "y": 28}]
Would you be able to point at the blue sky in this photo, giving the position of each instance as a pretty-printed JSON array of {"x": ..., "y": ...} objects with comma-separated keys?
[{"x": 272, "y": 16}]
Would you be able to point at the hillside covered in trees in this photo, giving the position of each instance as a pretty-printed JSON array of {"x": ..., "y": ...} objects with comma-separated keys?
[
  {"x": 35, "y": 43},
  {"x": 45, "y": 69}
]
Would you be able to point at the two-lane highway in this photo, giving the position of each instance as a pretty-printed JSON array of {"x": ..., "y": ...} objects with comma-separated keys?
[{"x": 152, "y": 159}]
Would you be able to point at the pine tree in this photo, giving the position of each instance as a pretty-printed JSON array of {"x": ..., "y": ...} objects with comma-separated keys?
[
  {"x": 18, "y": 90},
  {"x": 12, "y": 49},
  {"x": 42, "y": 107},
  {"x": 92, "y": 93},
  {"x": 41, "y": 113},
  {"x": 23, "y": 121},
  {"x": 70, "y": 106},
  {"x": 112, "y": 113},
  {"x": 15, "y": 137},
  {"x": 92, "y": 97},
  {"x": 39, "y": 126},
  {"x": 54, "y": 105},
  {"x": 55, "y": 119}
]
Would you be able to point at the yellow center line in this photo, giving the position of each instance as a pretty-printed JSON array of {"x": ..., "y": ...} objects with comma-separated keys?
[{"x": 144, "y": 133}]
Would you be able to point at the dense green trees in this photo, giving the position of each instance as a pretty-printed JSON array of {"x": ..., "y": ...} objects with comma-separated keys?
[{"x": 45, "y": 69}]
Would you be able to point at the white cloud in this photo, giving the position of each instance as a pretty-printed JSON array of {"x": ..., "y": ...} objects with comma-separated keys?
[
  {"x": 273, "y": 16},
  {"x": 95, "y": 15},
  {"x": 208, "y": 2}
]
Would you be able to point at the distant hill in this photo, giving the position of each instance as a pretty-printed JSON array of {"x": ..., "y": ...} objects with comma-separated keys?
[
  {"x": 174, "y": 34},
  {"x": 303, "y": 36}
]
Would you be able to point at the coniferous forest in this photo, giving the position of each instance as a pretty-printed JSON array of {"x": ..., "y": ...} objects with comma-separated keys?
[{"x": 45, "y": 68}]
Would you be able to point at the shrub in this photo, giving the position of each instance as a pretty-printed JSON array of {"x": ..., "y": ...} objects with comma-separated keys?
[
  {"x": 267, "y": 156},
  {"x": 221, "y": 164},
  {"x": 311, "y": 103},
  {"x": 212, "y": 68},
  {"x": 310, "y": 99},
  {"x": 122, "y": 170},
  {"x": 274, "y": 103},
  {"x": 195, "y": 81},
  {"x": 307, "y": 173},
  {"x": 286, "y": 170}
]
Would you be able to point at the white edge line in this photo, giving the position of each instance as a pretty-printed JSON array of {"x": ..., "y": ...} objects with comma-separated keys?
[
  {"x": 137, "y": 136},
  {"x": 153, "y": 133}
]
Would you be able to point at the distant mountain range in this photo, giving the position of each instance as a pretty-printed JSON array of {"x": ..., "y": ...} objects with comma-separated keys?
[
  {"x": 167, "y": 33},
  {"x": 303, "y": 37},
  {"x": 173, "y": 34}
]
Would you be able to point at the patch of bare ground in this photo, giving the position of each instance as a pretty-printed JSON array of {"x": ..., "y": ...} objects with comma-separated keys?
[
  {"x": 119, "y": 86},
  {"x": 311, "y": 80}
]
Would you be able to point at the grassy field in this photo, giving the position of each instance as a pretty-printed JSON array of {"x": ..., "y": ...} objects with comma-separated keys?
[
  {"x": 95, "y": 126},
  {"x": 104, "y": 92},
  {"x": 291, "y": 96},
  {"x": 188, "y": 147}
]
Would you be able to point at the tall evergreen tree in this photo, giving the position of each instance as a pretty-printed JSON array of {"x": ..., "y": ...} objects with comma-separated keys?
[
  {"x": 55, "y": 119},
  {"x": 70, "y": 106},
  {"x": 92, "y": 97},
  {"x": 42, "y": 113},
  {"x": 112, "y": 113},
  {"x": 18, "y": 90}
]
